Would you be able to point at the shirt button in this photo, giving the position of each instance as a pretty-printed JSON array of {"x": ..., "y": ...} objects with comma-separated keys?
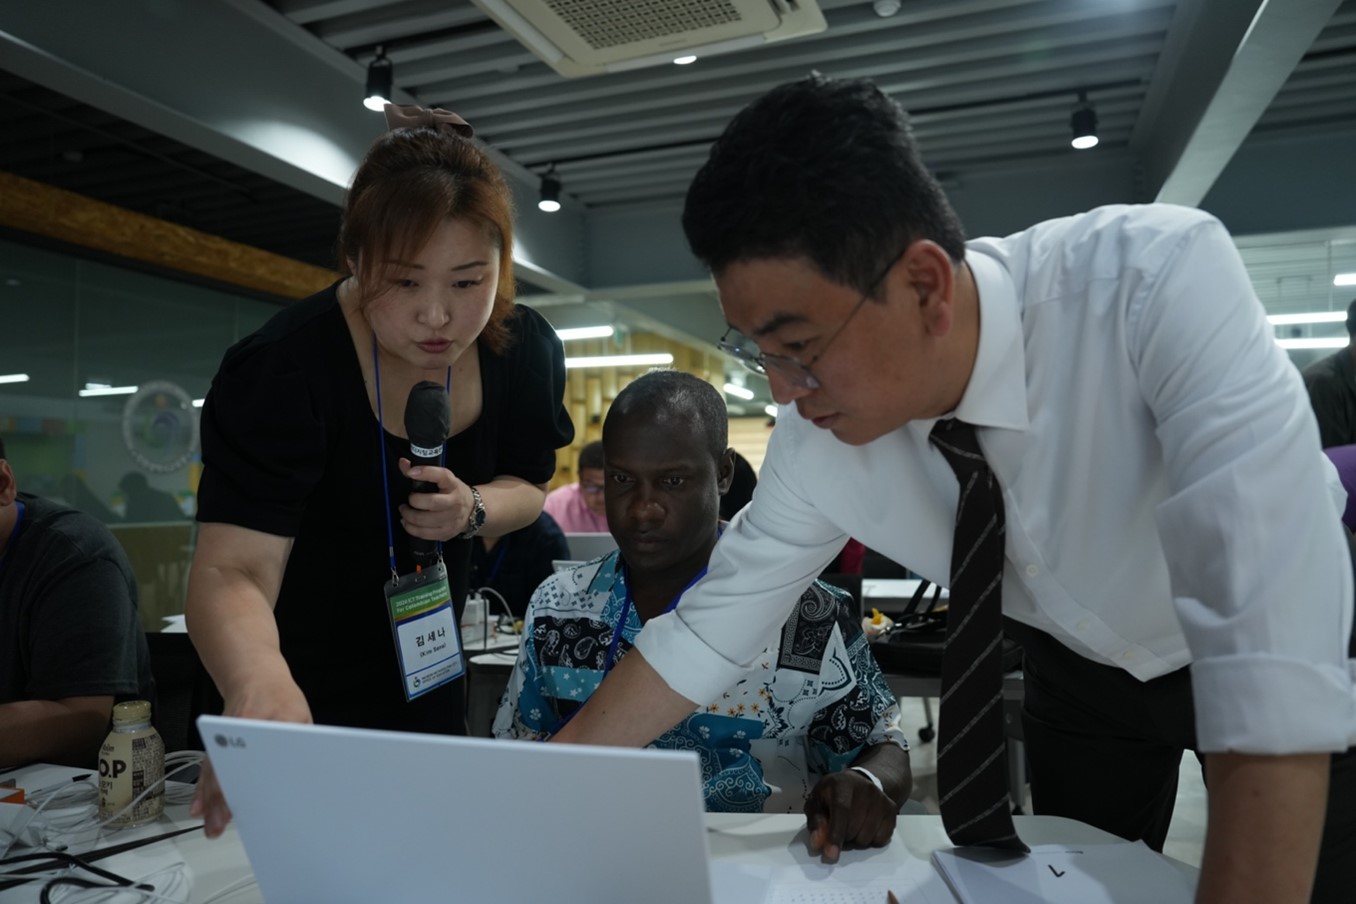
[
  {"x": 1128, "y": 655},
  {"x": 1081, "y": 624},
  {"x": 1032, "y": 571}
]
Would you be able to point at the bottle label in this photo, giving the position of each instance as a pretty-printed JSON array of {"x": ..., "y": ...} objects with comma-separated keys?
[{"x": 129, "y": 763}]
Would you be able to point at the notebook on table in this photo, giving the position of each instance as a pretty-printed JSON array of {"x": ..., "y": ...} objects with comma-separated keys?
[{"x": 355, "y": 815}]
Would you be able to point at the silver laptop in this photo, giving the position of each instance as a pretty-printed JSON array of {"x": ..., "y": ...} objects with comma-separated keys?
[
  {"x": 354, "y": 815},
  {"x": 584, "y": 547}
]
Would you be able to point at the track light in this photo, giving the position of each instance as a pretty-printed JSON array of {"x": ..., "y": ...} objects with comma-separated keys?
[
  {"x": 380, "y": 79},
  {"x": 1084, "y": 123},
  {"x": 550, "y": 191}
]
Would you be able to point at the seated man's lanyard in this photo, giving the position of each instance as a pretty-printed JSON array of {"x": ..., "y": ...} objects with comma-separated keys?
[
  {"x": 621, "y": 626},
  {"x": 626, "y": 614},
  {"x": 423, "y": 623},
  {"x": 13, "y": 535}
]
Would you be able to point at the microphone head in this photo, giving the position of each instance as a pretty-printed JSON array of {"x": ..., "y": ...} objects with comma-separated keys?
[{"x": 428, "y": 417}]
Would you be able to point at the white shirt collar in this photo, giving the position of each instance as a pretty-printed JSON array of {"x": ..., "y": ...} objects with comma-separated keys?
[{"x": 996, "y": 393}]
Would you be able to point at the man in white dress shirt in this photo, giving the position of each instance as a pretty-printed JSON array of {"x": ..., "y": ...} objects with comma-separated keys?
[{"x": 1159, "y": 464}]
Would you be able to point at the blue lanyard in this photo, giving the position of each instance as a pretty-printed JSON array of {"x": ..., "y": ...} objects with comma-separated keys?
[
  {"x": 381, "y": 443},
  {"x": 626, "y": 614},
  {"x": 13, "y": 535}
]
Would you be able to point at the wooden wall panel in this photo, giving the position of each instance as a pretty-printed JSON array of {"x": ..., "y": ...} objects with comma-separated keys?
[{"x": 68, "y": 217}]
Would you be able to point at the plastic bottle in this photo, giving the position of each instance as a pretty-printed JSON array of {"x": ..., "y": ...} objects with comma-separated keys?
[{"x": 131, "y": 760}]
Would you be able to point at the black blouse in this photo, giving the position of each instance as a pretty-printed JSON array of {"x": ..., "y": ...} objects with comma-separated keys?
[{"x": 290, "y": 448}]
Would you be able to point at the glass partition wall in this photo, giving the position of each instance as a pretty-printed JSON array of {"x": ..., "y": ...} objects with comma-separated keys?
[{"x": 101, "y": 372}]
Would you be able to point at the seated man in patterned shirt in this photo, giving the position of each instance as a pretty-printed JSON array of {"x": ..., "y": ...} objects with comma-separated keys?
[{"x": 813, "y": 727}]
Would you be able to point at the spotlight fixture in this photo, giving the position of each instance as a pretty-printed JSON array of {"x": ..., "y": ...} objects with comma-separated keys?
[
  {"x": 380, "y": 79},
  {"x": 1084, "y": 123},
  {"x": 550, "y": 191}
]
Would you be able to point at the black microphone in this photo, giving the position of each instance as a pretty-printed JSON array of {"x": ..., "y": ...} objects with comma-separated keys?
[{"x": 428, "y": 421}]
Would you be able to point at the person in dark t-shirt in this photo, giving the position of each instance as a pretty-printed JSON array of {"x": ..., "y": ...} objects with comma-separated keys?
[
  {"x": 71, "y": 643},
  {"x": 306, "y": 461}
]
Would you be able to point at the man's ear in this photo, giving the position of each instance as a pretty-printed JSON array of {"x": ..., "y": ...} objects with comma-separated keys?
[
  {"x": 931, "y": 275},
  {"x": 8, "y": 487},
  {"x": 725, "y": 471}
]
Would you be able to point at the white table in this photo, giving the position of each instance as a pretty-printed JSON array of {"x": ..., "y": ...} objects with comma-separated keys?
[
  {"x": 891, "y": 594},
  {"x": 734, "y": 840}
]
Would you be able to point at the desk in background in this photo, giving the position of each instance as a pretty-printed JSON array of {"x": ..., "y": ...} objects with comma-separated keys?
[{"x": 890, "y": 595}]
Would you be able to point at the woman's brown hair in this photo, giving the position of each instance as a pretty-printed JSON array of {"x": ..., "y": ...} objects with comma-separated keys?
[{"x": 410, "y": 182}]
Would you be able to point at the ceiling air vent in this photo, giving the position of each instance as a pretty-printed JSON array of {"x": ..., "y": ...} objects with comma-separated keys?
[{"x": 585, "y": 37}]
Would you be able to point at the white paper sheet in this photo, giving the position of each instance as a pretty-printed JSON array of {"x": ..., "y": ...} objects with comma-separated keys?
[{"x": 1119, "y": 873}]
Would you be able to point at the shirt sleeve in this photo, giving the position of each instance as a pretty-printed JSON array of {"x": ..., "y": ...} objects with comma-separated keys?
[
  {"x": 525, "y": 712},
  {"x": 81, "y": 639},
  {"x": 865, "y": 716},
  {"x": 264, "y": 442},
  {"x": 765, "y": 559},
  {"x": 535, "y": 423},
  {"x": 1257, "y": 558}
]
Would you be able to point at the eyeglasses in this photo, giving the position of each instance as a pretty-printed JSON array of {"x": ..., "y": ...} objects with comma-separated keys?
[{"x": 792, "y": 370}]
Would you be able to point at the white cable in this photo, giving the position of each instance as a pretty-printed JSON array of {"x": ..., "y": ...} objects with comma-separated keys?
[
  {"x": 105, "y": 823},
  {"x": 503, "y": 604},
  {"x": 174, "y": 893}
]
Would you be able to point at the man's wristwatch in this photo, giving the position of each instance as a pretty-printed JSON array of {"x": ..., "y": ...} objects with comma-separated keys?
[{"x": 476, "y": 520}]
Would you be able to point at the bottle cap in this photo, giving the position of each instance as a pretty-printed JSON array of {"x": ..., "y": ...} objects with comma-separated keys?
[{"x": 132, "y": 712}]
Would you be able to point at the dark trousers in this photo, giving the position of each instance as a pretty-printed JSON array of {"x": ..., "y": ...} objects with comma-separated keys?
[{"x": 1105, "y": 748}]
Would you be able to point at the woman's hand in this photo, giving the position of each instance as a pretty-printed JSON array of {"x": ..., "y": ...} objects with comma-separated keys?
[
  {"x": 276, "y": 700},
  {"x": 436, "y": 516}
]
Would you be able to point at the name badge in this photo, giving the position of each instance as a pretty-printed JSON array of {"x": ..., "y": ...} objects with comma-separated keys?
[{"x": 425, "y": 630}]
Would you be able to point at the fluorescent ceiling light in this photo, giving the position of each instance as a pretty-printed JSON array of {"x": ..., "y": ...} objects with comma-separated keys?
[
  {"x": 771, "y": 410},
  {"x": 197, "y": 403},
  {"x": 95, "y": 389},
  {"x": 620, "y": 360},
  {"x": 739, "y": 391},
  {"x": 1311, "y": 317},
  {"x": 1344, "y": 279},
  {"x": 585, "y": 332},
  {"x": 684, "y": 60},
  {"x": 13, "y": 378},
  {"x": 1334, "y": 342}
]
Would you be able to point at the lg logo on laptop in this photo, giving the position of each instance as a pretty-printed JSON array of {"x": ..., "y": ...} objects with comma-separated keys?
[{"x": 223, "y": 741}]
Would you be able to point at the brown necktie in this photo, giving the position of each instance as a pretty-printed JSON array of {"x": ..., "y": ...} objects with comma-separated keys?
[{"x": 972, "y": 779}]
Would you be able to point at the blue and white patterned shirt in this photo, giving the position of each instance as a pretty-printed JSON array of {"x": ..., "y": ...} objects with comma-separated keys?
[{"x": 813, "y": 702}]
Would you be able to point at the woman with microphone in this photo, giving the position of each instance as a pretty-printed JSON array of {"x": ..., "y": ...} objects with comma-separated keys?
[{"x": 305, "y": 505}]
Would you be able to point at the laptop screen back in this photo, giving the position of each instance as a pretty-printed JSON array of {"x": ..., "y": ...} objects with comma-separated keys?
[
  {"x": 585, "y": 547},
  {"x": 355, "y": 815}
]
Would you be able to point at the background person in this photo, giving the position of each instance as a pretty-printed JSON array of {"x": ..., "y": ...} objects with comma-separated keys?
[
  {"x": 515, "y": 564},
  {"x": 578, "y": 507},
  {"x": 71, "y": 643},
  {"x": 1149, "y": 443},
  {"x": 285, "y": 600},
  {"x": 741, "y": 488},
  {"x": 813, "y": 728},
  {"x": 145, "y": 503},
  {"x": 1331, "y": 383}
]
